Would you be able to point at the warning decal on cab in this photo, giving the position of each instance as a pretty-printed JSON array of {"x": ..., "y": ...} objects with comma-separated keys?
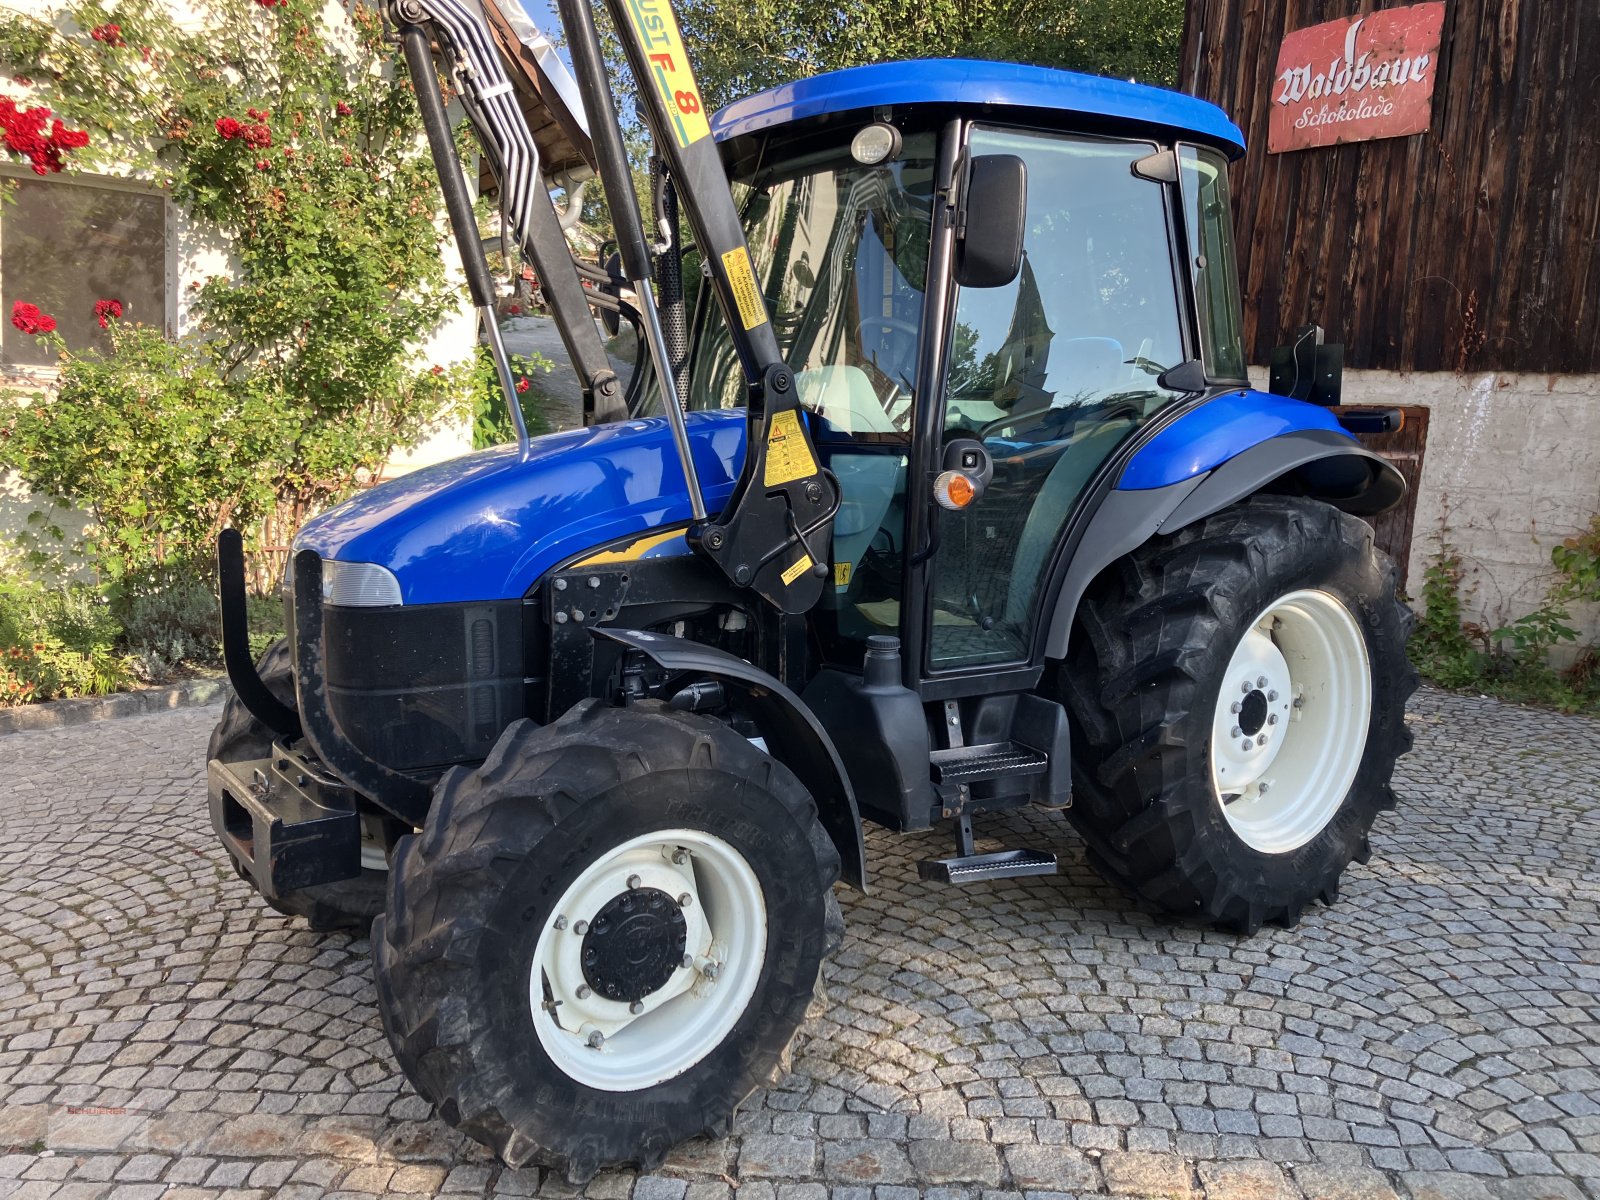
[
  {"x": 746, "y": 291},
  {"x": 663, "y": 48},
  {"x": 788, "y": 456}
]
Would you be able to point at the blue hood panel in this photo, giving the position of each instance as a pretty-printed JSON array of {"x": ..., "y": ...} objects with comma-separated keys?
[{"x": 486, "y": 526}]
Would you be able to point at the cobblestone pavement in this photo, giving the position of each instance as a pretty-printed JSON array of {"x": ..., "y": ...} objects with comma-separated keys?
[{"x": 1435, "y": 1034}]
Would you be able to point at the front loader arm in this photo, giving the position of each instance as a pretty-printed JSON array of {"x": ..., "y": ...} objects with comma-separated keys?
[
  {"x": 774, "y": 536},
  {"x": 472, "y": 60}
]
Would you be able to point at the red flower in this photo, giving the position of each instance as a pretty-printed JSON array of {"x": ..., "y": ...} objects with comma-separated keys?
[
  {"x": 105, "y": 311},
  {"x": 263, "y": 165},
  {"x": 438, "y": 370},
  {"x": 23, "y": 81},
  {"x": 522, "y": 386},
  {"x": 30, "y": 320},
  {"x": 343, "y": 109},
  {"x": 26, "y": 136},
  {"x": 273, "y": 3},
  {"x": 108, "y": 33},
  {"x": 257, "y": 137},
  {"x": 229, "y": 128},
  {"x": 514, "y": 310}
]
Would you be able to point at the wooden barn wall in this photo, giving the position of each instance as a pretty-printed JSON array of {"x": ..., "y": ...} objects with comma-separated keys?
[{"x": 1473, "y": 246}]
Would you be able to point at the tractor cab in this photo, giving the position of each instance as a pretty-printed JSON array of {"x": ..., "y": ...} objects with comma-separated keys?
[{"x": 1006, "y": 272}]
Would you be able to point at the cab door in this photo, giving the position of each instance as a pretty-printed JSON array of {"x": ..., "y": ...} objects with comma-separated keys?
[{"x": 1051, "y": 372}]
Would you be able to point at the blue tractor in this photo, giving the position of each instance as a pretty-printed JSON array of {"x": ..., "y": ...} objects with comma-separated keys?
[{"x": 947, "y": 495}]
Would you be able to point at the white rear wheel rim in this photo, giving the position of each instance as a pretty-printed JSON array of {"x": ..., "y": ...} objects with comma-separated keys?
[
  {"x": 1291, "y": 721},
  {"x": 606, "y": 1044}
]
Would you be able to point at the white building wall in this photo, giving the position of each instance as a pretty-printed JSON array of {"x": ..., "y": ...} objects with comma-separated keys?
[{"x": 1512, "y": 467}]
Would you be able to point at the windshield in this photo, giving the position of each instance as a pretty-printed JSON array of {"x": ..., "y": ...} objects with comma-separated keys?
[{"x": 841, "y": 251}]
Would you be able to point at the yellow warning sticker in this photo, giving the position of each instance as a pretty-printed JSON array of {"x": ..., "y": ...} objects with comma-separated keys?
[
  {"x": 669, "y": 65},
  {"x": 788, "y": 456},
  {"x": 796, "y": 569},
  {"x": 746, "y": 291},
  {"x": 841, "y": 574}
]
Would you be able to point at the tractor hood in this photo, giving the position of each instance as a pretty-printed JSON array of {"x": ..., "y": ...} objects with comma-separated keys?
[{"x": 486, "y": 526}]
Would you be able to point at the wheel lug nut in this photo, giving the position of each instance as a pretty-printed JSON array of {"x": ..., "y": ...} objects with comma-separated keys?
[
  {"x": 1261, "y": 681},
  {"x": 636, "y": 1007},
  {"x": 1272, "y": 718},
  {"x": 1245, "y": 687},
  {"x": 633, "y": 882},
  {"x": 679, "y": 857},
  {"x": 1236, "y": 732},
  {"x": 1271, "y": 696},
  {"x": 685, "y": 900},
  {"x": 1235, "y": 707},
  {"x": 1265, "y": 787},
  {"x": 581, "y": 928},
  {"x": 561, "y": 923},
  {"x": 595, "y": 1040},
  {"x": 1262, "y": 740},
  {"x": 709, "y": 970},
  {"x": 688, "y": 961},
  {"x": 1246, "y": 744},
  {"x": 583, "y": 991},
  {"x": 1299, "y": 701}
]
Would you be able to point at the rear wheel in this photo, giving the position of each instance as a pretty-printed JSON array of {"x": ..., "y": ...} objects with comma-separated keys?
[
  {"x": 1238, "y": 696},
  {"x": 606, "y": 936},
  {"x": 240, "y": 737}
]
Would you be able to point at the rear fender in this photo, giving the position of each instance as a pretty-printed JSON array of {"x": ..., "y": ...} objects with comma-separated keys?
[
  {"x": 1320, "y": 463},
  {"x": 792, "y": 732}
]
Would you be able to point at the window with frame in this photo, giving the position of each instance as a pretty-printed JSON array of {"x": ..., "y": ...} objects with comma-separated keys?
[{"x": 65, "y": 245}]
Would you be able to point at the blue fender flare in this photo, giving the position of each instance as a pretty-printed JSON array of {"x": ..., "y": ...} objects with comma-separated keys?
[{"x": 1216, "y": 454}]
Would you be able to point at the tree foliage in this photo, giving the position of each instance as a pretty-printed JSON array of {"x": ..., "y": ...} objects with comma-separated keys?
[{"x": 742, "y": 46}]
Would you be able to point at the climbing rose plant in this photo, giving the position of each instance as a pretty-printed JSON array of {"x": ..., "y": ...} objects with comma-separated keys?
[{"x": 290, "y": 135}]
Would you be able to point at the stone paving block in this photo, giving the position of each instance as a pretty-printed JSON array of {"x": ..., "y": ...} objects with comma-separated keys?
[
  {"x": 865, "y": 1161},
  {"x": 1322, "y": 1182},
  {"x": 1051, "y": 1168},
  {"x": 956, "y": 1162},
  {"x": 21, "y": 1125},
  {"x": 1147, "y": 1175},
  {"x": 91, "y": 1131},
  {"x": 771, "y": 1156},
  {"x": 1245, "y": 1180}
]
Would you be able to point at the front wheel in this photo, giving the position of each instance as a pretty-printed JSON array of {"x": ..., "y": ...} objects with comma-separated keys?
[
  {"x": 606, "y": 937},
  {"x": 1238, "y": 697}
]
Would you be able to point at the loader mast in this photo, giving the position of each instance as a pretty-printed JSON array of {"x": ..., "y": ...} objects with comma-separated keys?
[{"x": 774, "y": 536}]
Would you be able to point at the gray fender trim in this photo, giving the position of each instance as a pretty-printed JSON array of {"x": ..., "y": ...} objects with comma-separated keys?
[
  {"x": 1126, "y": 520},
  {"x": 792, "y": 732}
]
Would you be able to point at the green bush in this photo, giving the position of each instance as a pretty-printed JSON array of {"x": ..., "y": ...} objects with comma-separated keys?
[{"x": 58, "y": 642}]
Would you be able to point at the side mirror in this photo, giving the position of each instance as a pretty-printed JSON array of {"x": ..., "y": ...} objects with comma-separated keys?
[
  {"x": 1307, "y": 369},
  {"x": 994, "y": 210}
]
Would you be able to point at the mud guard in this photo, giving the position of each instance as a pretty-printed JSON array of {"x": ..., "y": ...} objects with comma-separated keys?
[
  {"x": 1323, "y": 464},
  {"x": 792, "y": 732}
]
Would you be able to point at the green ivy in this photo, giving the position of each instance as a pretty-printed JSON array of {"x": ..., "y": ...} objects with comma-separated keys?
[{"x": 292, "y": 137}]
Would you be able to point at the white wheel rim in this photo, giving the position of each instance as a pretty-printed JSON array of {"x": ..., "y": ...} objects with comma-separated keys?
[
  {"x": 620, "y": 1047},
  {"x": 1291, "y": 721}
]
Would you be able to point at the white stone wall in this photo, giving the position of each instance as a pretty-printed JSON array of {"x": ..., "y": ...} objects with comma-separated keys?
[{"x": 1512, "y": 467}]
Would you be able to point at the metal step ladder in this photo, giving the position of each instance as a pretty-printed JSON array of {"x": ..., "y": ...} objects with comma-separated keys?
[{"x": 954, "y": 771}]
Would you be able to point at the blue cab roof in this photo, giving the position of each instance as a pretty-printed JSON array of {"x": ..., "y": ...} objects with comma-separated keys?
[{"x": 975, "y": 82}]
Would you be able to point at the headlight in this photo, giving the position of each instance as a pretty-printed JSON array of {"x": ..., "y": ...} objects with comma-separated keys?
[{"x": 359, "y": 585}]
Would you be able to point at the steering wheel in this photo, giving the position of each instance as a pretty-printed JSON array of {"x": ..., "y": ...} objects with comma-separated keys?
[{"x": 894, "y": 324}]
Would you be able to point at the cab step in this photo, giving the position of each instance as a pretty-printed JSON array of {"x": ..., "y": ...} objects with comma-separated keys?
[
  {"x": 997, "y": 760},
  {"x": 967, "y": 866}
]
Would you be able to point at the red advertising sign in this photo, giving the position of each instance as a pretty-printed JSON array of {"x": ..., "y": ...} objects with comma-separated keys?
[{"x": 1357, "y": 79}]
